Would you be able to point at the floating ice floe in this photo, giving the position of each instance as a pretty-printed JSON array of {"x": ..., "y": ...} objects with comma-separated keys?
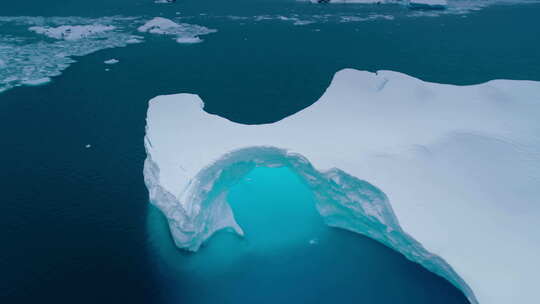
[
  {"x": 428, "y": 4},
  {"x": 37, "y": 82},
  {"x": 25, "y": 61},
  {"x": 185, "y": 33},
  {"x": 31, "y": 61},
  {"x": 111, "y": 61},
  {"x": 447, "y": 175},
  {"x": 188, "y": 40},
  {"x": 71, "y": 32},
  {"x": 135, "y": 40},
  {"x": 352, "y": 1}
]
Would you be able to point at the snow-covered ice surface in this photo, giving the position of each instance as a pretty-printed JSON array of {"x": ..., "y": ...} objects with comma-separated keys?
[
  {"x": 35, "y": 49},
  {"x": 447, "y": 175},
  {"x": 185, "y": 33}
]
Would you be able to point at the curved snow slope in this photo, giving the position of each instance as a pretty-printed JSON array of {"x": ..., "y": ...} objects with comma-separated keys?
[{"x": 459, "y": 167}]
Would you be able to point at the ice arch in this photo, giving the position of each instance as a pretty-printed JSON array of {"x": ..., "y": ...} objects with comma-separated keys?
[
  {"x": 342, "y": 200},
  {"x": 459, "y": 164}
]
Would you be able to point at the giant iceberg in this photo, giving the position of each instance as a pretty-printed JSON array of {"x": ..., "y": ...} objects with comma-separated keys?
[{"x": 447, "y": 175}]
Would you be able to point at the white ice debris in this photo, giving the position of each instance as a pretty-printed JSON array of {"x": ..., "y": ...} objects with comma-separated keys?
[
  {"x": 32, "y": 61},
  {"x": 188, "y": 40},
  {"x": 37, "y": 82},
  {"x": 71, "y": 32},
  {"x": 111, "y": 61},
  {"x": 135, "y": 40},
  {"x": 185, "y": 33},
  {"x": 160, "y": 25},
  {"x": 458, "y": 166},
  {"x": 428, "y": 4}
]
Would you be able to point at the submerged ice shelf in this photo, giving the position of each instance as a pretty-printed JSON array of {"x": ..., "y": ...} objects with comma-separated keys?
[{"x": 456, "y": 169}]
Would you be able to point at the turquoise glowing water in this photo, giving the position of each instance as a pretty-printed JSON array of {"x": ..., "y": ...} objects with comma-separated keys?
[{"x": 289, "y": 255}]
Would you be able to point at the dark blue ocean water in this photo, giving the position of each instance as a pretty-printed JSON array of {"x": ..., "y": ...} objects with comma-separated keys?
[{"x": 76, "y": 225}]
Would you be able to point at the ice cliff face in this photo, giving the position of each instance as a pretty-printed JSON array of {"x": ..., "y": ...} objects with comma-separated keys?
[{"x": 459, "y": 167}]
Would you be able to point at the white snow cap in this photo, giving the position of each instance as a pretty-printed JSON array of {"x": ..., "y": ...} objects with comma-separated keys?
[{"x": 460, "y": 166}]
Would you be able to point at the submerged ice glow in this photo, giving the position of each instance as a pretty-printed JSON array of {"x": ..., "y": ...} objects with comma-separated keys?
[{"x": 288, "y": 255}]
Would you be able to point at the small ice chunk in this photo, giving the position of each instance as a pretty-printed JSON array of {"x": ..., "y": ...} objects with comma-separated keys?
[
  {"x": 159, "y": 25},
  {"x": 313, "y": 241},
  {"x": 185, "y": 33},
  {"x": 428, "y": 4},
  {"x": 189, "y": 40},
  {"x": 135, "y": 40},
  {"x": 111, "y": 61},
  {"x": 37, "y": 82},
  {"x": 88, "y": 146}
]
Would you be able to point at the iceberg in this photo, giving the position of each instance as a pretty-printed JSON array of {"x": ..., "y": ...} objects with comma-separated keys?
[
  {"x": 185, "y": 33},
  {"x": 447, "y": 175}
]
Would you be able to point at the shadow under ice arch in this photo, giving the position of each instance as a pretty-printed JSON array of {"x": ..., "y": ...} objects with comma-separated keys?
[{"x": 460, "y": 165}]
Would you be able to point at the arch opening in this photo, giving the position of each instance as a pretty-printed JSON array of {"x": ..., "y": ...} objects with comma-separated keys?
[{"x": 342, "y": 200}]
